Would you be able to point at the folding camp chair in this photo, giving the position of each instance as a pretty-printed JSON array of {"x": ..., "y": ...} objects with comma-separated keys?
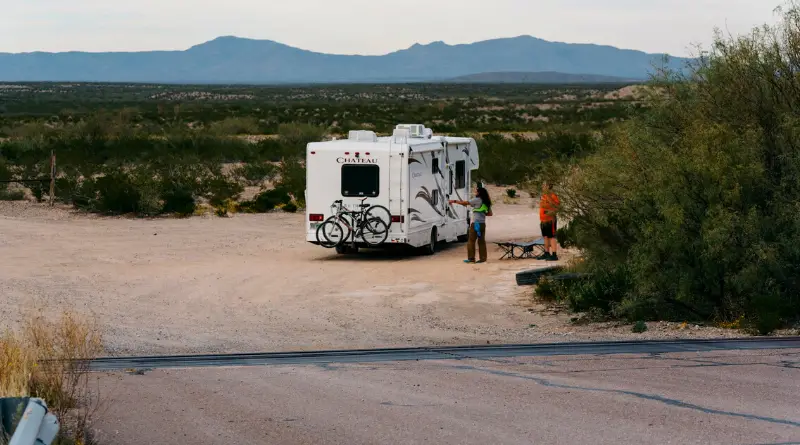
[{"x": 516, "y": 251}]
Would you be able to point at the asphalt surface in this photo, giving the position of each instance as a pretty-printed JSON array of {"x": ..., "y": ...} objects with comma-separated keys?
[{"x": 705, "y": 397}]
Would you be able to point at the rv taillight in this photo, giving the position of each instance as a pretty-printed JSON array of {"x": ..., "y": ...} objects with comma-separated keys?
[
  {"x": 366, "y": 154},
  {"x": 347, "y": 153},
  {"x": 316, "y": 217},
  {"x": 398, "y": 219}
]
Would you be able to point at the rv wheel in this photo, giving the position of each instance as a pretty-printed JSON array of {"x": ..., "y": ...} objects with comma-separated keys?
[
  {"x": 431, "y": 248},
  {"x": 346, "y": 250}
]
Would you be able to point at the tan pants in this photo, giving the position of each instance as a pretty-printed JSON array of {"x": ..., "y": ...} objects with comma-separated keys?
[{"x": 473, "y": 236}]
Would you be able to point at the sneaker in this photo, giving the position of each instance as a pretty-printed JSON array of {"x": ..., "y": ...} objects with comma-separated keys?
[
  {"x": 553, "y": 257},
  {"x": 480, "y": 262},
  {"x": 469, "y": 261},
  {"x": 543, "y": 257}
]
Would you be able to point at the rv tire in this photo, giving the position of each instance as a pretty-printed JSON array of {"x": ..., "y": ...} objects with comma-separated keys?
[
  {"x": 430, "y": 249},
  {"x": 346, "y": 250}
]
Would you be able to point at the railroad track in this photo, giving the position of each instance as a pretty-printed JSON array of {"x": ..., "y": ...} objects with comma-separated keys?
[{"x": 442, "y": 353}]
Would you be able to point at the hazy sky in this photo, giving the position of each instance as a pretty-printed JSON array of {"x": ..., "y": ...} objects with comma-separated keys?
[{"x": 369, "y": 26}]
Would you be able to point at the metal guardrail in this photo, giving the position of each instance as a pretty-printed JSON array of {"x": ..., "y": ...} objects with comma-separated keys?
[
  {"x": 444, "y": 353},
  {"x": 35, "y": 425}
]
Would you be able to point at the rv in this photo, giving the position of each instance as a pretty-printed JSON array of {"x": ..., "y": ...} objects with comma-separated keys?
[{"x": 412, "y": 174}]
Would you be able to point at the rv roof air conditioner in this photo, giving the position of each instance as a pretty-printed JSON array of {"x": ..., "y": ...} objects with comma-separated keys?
[
  {"x": 416, "y": 130},
  {"x": 362, "y": 136}
]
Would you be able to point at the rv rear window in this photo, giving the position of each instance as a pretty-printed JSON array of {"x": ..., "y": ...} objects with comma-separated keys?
[{"x": 360, "y": 180}]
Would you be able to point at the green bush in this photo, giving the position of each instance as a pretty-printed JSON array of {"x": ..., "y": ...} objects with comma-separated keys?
[
  {"x": 221, "y": 189},
  {"x": 179, "y": 200},
  {"x": 519, "y": 160},
  {"x": 511, "y": 193},
  {"x": 567, "y": 235},
  {"x": 267, "y": 200},
  {"x": 291, "y": 207},
  {"x": 11, "y": 195},
  {"x": 256, "y": 173},
  {"x": 116, "y": 194},
  {"x": 549, "y": 290},
  {"x": 5, "y": 172},
  {"x": 692, "y": 209},
  {"x": 292, "y": 176},
  {"x": 639, "y": 327}
]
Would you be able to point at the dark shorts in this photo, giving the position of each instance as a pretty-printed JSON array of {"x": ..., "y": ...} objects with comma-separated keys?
[{"x": 549, "y": 228}]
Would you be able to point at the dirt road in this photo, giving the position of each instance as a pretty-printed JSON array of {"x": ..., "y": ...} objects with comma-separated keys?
[
  {"x": 251, "y": 283},
  {"x": 716, "y": 397}
]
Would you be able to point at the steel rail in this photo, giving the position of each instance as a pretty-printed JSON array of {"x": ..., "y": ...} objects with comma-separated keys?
[{"x": 442, "y": 353}]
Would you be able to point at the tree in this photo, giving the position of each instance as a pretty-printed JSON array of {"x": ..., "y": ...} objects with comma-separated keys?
[{"x": 694, "y": 205}]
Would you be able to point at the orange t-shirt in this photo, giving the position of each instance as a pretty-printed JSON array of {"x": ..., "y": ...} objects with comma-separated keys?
[{"x": 547, "y": 207}]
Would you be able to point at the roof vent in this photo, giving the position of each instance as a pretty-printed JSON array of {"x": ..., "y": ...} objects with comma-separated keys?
[
  {"x": 400, "y": 136},
  {"x": 362, "y": 136}
]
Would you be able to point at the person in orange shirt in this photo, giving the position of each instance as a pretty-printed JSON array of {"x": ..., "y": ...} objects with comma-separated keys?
[{"x": 548, "y": 206}]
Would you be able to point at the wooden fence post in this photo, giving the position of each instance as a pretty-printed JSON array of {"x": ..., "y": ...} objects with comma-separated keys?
[{"x": 52, "y": 177}]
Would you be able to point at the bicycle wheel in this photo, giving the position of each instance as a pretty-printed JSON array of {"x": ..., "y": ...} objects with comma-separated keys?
[
  {"x": 380, "y": 213},
  {"x": 330, "y": 234},
  {"x": 376, "y": 237},
  {"x": 346, "y": 222}
]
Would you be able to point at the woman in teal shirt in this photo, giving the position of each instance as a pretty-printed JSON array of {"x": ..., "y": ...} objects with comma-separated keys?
[{"x": 481, "y": 208}]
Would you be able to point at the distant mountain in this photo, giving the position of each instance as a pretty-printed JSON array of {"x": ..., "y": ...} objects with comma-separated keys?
[
  {"x": 237, "y": 60},
  {"x": 540, "y": 77}
]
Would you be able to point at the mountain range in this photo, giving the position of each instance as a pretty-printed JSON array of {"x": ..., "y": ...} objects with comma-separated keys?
[{"x": 247, "y": 61}]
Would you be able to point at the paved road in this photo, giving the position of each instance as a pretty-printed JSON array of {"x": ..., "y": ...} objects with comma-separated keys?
[{"x": 713, "y": 397}]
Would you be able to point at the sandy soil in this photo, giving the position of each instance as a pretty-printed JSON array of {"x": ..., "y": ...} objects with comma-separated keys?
[{"x": 251, "y": 283}]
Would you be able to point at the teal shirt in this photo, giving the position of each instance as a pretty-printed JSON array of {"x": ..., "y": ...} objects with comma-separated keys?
[{"x": 479, "y": 210}]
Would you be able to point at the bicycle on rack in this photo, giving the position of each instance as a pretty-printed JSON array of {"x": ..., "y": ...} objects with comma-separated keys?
[{"x": 370, "y": 223}]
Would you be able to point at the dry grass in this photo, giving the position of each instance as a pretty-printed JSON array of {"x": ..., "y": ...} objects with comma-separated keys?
[
  {"x": 49, "y": 359},
  {"x": 16, "y": 366}
]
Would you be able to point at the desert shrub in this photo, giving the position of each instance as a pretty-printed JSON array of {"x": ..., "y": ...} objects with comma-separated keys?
[
  {"x": 38, "y": 190},
  {"x": 179, "y": 200},
  {"x": 549, "y": 290},
  {"x": 17, "y": 362},
  {"x": 235, "y": 125},
  {"x": 7, "y": 194},
  {"x": 48, "y": 359},
  {"x": 511, "y": 193},
  {"x": 290, "y": 207},
  {"x": 117, "y": 193},
  {"x": 693, "y": 206},
  {"x": 267, "y": 200},
  {"x": 220, "y": 189},
  {"x": 295, "y": 136},
  {"x": 256, "y": 173},
  {"x": 639, "y": 327},
  {"x": 520, "y": 160},
  {"x": 566, "y": 235},
  {"x": 5, "y": 172},
  {"x": 292, "y": 176}
]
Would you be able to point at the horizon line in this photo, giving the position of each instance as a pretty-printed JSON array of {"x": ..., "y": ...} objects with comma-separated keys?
[{"x": 230, "y": 36}]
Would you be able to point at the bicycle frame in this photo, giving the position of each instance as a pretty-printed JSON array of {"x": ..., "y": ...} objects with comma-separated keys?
[{"x": 359, "y": 220}]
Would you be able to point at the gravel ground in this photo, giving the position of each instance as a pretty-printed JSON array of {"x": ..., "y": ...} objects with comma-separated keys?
[{"x": 251, "y": 283}]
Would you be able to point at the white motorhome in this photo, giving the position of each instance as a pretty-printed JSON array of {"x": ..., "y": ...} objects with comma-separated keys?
[{"x": 412, "y": 173}]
